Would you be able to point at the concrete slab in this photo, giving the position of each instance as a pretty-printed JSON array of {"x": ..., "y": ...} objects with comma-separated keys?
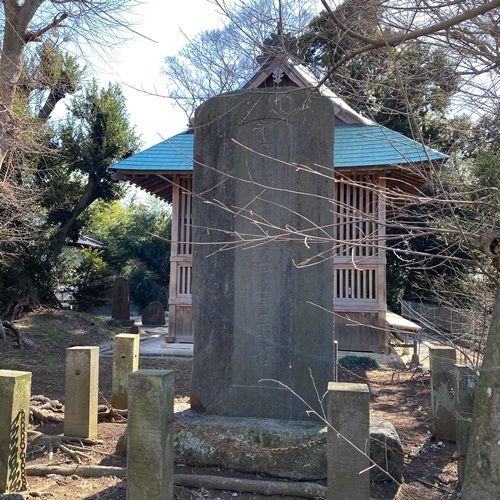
[{"x": 153, "y": 344}]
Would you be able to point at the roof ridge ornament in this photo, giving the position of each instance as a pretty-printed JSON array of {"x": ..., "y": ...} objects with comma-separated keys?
[{"x": 278, "y": 45}]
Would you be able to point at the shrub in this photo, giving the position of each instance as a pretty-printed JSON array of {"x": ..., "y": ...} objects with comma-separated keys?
[{"x": 359, "y": 363}]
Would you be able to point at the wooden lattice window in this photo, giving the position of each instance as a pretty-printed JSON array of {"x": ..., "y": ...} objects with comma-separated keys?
[
  {"x": 359, "y": 284},
  {"x": 184, "y": 279},
  {"x": 357, "y": 216},
  {"x": 184, "y": 231}
]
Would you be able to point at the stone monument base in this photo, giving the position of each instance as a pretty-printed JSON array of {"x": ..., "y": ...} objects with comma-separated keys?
[{"x": 279, "y": 448}]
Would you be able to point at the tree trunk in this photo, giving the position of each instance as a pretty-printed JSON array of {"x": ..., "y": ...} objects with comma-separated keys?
[
  {"x": 89, "y": 195},
  {"x": 482, "y": 473}
]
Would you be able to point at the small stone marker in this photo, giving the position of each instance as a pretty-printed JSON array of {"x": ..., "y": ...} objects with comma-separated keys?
[
  {"x": 15, "y": 389},
  {"x": 121, "y": 303},
  {"x": 465, "y": 387},
  {"x": 150, "y": 455},
  {"x": 154, "y": 314},
  {"x": 442, "y": 360},
  {"x": 349, "y": 414},
  {"x": 125, "y": 361},
  {"x": 81, "y": 392}
]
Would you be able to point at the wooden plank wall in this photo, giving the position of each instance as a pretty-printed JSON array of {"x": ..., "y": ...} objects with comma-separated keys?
[{"x": 181, "y": 261}]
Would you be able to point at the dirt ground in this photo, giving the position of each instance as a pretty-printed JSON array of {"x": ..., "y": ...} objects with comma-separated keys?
[{"x": 400, "y": 396}]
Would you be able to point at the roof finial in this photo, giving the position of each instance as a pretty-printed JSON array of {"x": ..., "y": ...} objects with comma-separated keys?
[
  {"x": 280, "y": 20},
  {"x": 280, "y": 42}
]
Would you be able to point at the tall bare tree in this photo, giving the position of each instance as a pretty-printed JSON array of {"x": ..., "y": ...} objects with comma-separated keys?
[
  {"x": 466, "y": 32},
  {"x": 33, "y": 33}
]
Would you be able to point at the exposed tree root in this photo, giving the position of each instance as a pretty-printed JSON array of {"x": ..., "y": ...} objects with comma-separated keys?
[
  {"x": 63, "y": 443},
  {"x": 107, "y": 412},
  {"x": 8, "y": 327},
  {"x": 79, "y": 470},
  {"x": 292, "y": 488},
  {"x": 24, "y": 495},
  {"x": 299, "y": 489},
  {"x": 46, "y": 410}
]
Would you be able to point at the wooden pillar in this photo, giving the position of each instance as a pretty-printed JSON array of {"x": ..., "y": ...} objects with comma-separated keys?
[{"x": 181, "y": 261}]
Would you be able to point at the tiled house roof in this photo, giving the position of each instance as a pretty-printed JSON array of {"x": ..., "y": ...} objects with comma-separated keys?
[{"x": 354, "y": 146}]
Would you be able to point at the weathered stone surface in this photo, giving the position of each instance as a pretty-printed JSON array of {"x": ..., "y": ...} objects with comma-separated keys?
[
  {"x": 243, "y": 444},
  {"x": 465, "y": 392},
  {"x": 386, "y": 450},
  {"x": 348, "y": 414},
  {"x": 153, "y": 314},
  {"x": 255, "y": 310},
  {"x": 125, "y": 361},
  {"x": 121, "y": 303},
  {"x": 197, "y": 437},
  {"x": 15, "y": 389},
  {"x": 442, "y": 360},
  {"x": 150, "y": 432},
  {"x": 81, "y": 392}
]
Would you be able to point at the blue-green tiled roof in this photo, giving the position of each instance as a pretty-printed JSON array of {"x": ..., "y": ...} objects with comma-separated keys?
[
  {"x": 174, "y": 154},
  {"x": 355, "y": 146},
  {"x": 361, "y": 146}
]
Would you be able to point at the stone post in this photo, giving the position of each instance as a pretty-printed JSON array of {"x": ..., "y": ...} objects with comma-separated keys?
[
  {"x": 442, "y": 361},
  {"x": 349, "y": 415},
  {"x": 150, "y": 455},
  {"x": 125, "y": 361},
  {"x": 465, "y": 386},
  {"x": 81, "y": 392},
  {"x": 15, "y": 389},
  {"x": 335, "y": 360}
]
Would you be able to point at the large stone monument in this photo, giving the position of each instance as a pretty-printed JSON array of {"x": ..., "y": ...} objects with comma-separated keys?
[
  {"x": 262, "y": 269},
  {"x": 121, "y": 303}
]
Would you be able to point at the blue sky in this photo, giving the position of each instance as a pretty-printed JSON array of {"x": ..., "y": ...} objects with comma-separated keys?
[{"x": 138, "y": 63}]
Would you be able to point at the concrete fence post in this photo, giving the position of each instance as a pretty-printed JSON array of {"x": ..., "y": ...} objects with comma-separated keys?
[
  {"x": 349, "y": 415},
  {"x": 465, "y": 387},
  {"x": 442, "y": 361},
  {"x": 15, "y": 390},
  {"x": 125, "y": 361},
  {"x": 150, "y": 447},
  {"x": 81, "y": 392}
]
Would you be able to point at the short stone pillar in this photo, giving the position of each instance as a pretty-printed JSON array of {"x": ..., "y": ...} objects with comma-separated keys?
[
  {"x": 81, "y": 392},
  {"x": 125, "y": 361},
  {"x": 442, "y": 360},
  {"x": 150, "y": 455},
  {"x": 349, "y": 418},
  {"x": 465, "y": 387},
  {"x": 15, "y": 389}
]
